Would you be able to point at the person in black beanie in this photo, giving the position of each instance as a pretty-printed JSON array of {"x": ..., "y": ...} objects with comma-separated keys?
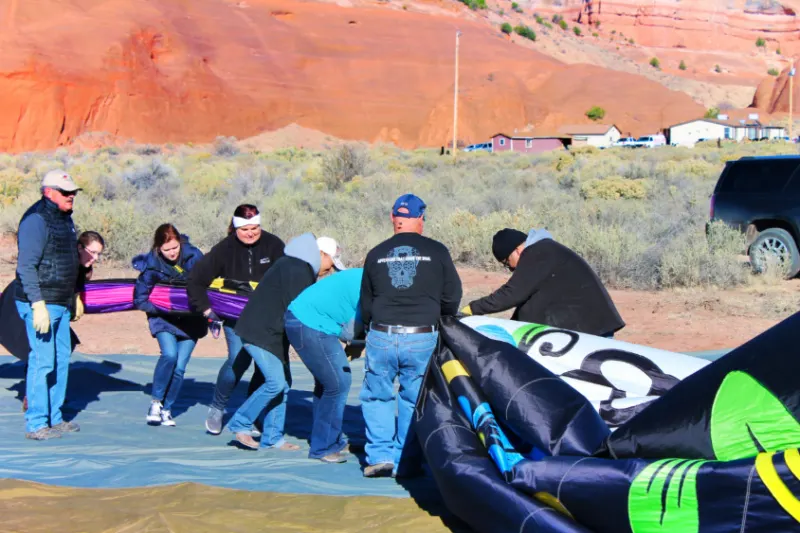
[{"x": 550, "y": 285}]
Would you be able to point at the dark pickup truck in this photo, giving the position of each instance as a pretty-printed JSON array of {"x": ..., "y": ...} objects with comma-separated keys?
[{"x": 760, "y": 195}]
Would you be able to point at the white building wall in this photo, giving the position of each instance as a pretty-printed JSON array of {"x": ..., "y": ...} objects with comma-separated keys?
[
  {"x": 688, "y": 134},
  {"x": 600, "y": 141}
]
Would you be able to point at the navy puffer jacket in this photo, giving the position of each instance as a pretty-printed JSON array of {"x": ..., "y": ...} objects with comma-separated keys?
[{"x": 155, "y": 269}]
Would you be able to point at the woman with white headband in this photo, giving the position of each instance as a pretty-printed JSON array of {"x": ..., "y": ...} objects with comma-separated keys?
[{"x": 244, "y": 255}]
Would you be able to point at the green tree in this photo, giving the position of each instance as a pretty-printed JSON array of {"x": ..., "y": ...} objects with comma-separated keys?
[
  {"x": 712, "y": 112},
  {"x": 596, "y": 113},
  {"x": 506, "y": 28}
]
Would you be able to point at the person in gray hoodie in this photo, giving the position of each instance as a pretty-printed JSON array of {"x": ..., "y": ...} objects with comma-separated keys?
[{"x": 261, "y": 327}]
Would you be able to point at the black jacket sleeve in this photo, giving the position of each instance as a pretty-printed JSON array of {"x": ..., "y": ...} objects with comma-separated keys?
[
  {"x": 452, "y": 290},
  {"x": 209, "y": 267},
  {"x": 366, "y": 294},
  {"x": 523, "y": 284}
]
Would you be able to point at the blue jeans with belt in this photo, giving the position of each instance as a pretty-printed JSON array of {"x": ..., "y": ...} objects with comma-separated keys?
[
  {"x": 388, "y": 356},
  {"x": 324, "y": 357},
  {"x": 170, "y": 368}
]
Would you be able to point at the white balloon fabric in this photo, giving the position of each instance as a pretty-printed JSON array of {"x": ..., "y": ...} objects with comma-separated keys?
[{"x": 618, "y": 378}]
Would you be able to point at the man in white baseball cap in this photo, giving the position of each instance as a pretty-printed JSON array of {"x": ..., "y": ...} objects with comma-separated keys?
[
  {"x": 329, "y": 247},
  {"x": 47, "y": 272}
]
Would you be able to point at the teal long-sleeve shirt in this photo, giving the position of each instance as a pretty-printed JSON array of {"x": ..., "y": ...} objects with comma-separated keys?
[{"x": 330, "y": 304}]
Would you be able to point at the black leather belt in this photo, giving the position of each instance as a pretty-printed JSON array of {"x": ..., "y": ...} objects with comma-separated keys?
[{"x": 402, "y": 329}]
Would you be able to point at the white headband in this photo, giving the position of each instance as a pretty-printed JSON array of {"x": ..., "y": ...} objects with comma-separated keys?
[{"x": 238, "y": 222}]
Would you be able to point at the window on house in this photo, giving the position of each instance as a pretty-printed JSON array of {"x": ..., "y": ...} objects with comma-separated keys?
[
  {"x": 727, "y": 133},
  {"x": 502, "y": 142},
  {"x": 528, "y": 143}
]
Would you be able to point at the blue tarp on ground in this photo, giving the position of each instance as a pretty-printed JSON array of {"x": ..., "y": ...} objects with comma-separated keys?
[{"x": 109, "y": 395}]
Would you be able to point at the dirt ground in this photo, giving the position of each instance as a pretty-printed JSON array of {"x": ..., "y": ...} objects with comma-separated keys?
[{"x": 687, "y": 320}]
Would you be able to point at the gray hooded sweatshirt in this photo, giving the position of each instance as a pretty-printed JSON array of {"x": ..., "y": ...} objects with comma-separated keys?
[{"x": 261, "y": 321}]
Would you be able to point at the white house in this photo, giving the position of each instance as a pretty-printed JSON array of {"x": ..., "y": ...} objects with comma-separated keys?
[
  {"x": 599, "y": 135},
  {"x": 689, "y": 133}
]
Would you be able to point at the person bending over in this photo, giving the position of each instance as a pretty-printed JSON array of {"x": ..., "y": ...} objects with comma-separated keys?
[
  {"x": 261, "y": 328},
  {"x": 549, "y": 285}
]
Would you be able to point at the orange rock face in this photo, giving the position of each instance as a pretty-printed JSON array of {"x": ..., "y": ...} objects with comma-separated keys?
[{"x": 189, "y": 70}]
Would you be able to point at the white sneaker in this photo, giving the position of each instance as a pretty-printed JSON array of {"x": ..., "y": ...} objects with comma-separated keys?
[
  {"x": 166, "y": 418},
  {"x": 154, "y": 414}
]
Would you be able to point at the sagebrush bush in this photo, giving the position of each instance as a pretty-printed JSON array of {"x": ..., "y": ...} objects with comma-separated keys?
[{"x": 638, "y": 217}]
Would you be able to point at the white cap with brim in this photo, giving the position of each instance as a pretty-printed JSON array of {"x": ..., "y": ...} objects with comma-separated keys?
[
  {"x": 330, "y": 247},
  {"x": 58, "y": 179}
]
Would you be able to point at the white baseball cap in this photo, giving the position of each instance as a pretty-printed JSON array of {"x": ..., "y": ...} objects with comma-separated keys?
[
  {"x": 58, "y": 179},
  {"x": 330, "y": 247}
]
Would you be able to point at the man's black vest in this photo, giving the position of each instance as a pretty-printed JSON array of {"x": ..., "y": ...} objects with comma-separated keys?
[{"x": 58, "y": 268}]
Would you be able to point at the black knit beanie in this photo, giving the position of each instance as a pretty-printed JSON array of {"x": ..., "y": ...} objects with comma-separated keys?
[{"x": 505, "y": 242}]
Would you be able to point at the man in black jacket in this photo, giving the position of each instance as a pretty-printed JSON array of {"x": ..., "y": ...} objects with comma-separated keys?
[
  {"x": 409, "y": 282},
  {"x": 550, "y": 285}
]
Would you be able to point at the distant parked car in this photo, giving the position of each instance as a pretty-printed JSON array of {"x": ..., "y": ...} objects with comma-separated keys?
[
  {"x": 477, "y": 147},
  {"x": 760, "y": 195},
  {"x": 625, "y": 141},
  {"x": 650, "y": 141}
]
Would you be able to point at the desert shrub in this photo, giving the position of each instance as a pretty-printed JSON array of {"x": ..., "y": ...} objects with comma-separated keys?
[
  {"x": 614, "y": 188},
  {"x": 148, "y": 149},
  {"x": 595, "y": 34},
  {"x": 506, "y": 28},
  {"x": 654, "y": 62},
  {"x": 225, "y": 146},
  {"x": 712, "y": 112},
  {"x": 525, "y": 31},
  {"x": 682, "y": 65},
  {"x": 515, "y": 7},
  {"x": 761, "y": 43},
  {"x": 340, "y": 165},
  {"x": 563, "y": 24},
  {"x": 717, "y": 69},
  {"x": 576, "y": 30},
  {"x": 638, "y": 217},
  {"x": 596, "y": 113},
  {"x": 773, "y": 72}
]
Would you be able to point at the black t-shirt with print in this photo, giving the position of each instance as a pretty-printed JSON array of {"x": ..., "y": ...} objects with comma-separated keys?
[{"x": 409, "y": 280}]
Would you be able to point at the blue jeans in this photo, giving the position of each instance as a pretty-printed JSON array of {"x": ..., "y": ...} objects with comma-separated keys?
[
  {"x": 168, "y": 375},
  {"x": 390, "y": 356},
  {"x": 48, "y": 367},
  {"x": 233, "y": 369},
  {"x": 269, "y": 399},
  {"x": 324, "y": 357}
]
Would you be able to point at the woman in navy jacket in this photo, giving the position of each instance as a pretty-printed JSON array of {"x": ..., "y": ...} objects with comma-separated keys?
[{"x": 169, "y": 261}]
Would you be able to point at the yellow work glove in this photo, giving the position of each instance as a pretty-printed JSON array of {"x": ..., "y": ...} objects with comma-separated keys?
[
  {"x": 41, "y": 317},
  {"x": 78, "y": 309},
  {"x": 466, "y": 310}
]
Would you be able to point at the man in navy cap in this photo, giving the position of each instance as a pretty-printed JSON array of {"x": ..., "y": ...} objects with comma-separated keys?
[
  {"x": 409, "y": 282},
  {"x": 550, "y": 285}
]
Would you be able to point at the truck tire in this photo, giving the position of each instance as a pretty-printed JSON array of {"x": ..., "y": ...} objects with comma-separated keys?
[{"x": 781, "y": 245}]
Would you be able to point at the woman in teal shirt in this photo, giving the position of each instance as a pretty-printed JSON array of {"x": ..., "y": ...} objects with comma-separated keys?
[{"x": 317, "y": 322}]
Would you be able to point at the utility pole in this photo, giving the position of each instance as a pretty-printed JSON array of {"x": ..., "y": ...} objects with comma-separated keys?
[
  {"x": 791, "y": 94},
  {"x": 455, "y": 98}
]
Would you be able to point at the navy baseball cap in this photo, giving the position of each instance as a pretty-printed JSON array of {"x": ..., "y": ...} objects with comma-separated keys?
[{"x": 414, "y": 204}]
